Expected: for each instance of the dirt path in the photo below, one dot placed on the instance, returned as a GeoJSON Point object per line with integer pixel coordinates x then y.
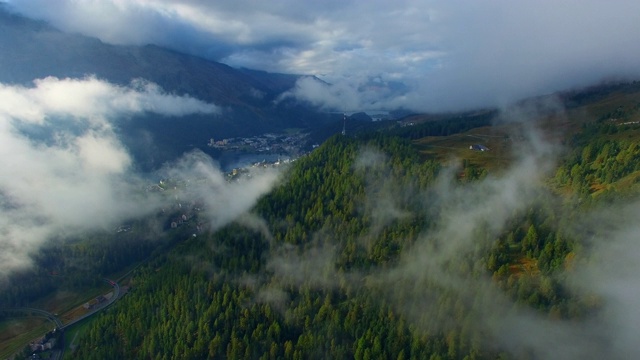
{"type": "Point", "coordinates": [72, 344]}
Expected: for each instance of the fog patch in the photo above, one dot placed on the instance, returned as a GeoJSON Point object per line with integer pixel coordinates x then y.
{"type": "Point", "coordinates": [224, 201]}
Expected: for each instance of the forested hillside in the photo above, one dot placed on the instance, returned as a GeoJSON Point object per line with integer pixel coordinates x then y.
{"type": "Point", "coordinates": [372, 247]}
{"type": "Point", "coordinates": [369, 251]}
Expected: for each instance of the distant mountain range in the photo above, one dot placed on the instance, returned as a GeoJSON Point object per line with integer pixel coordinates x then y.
{"type": "Point", "coordinates": [31, 49]}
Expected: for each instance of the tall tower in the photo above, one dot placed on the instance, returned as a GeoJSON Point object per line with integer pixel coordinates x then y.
{"type": "Point", "coordinates": [344, 124]}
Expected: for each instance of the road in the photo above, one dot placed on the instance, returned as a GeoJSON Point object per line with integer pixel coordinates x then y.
{"type": "Point", "coordinates": [59, 326]}
{"type": "Point", "coordinates": [116, 296]}
{"type": "Point", "coordinates": [46, 314]}
{"type": "Point", "coordinates": [55, 354]}
{"type": "Point", "coordinates": [53, 318]}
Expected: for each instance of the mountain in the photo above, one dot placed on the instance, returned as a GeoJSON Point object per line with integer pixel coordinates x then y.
{"type": "Point", "coordinates": [32, 49]}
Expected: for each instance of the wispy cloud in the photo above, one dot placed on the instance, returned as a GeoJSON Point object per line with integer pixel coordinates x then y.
{"type": "Point", "coordinates": [223, 201]}
{"type": "Point", "coordinates": [66, 171]}
{"type": "Point", "coordinates": [448, 54]}
{"type": "Point", "coordinates": [440, 282]}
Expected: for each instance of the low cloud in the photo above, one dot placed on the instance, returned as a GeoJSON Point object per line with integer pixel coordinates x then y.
{"type": "Point", "coordinates": [350, 94]}
{"type": "Point", "coordinates": [611, 273]}
{"type": "Point", "coordinates": [467, 219]}
{"type": "Point", "coordinates": [64, 169]}
{"type": "Point", "coordinates": [91, 100]}
{"type": "Point", "coordinates": [223, 201]}
{"type": "Point", "coordinates": [313, 266]}
{"type": "Point", "coordinates": [386, 201]}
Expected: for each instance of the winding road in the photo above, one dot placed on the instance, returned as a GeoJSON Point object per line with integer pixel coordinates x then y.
{"type": "Point", "coordinates": [51, 317]}
{"type": "Point", "coordinates": [59, 326]}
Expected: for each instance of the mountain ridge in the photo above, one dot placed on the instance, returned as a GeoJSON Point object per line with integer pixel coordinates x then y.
{"type": "Point", "coordinates": [31, 49]}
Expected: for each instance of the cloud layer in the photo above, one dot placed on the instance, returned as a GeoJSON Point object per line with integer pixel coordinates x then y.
{"type": "Point", "coordinates": [65, 170]}
{"type": "Point", "coordinates": [446, 54]}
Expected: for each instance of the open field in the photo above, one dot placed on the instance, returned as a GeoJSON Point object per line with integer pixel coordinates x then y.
{"type": "Point", "coordinates": [63, 301]}
{"type": "Point", "coordinates": [445, 148]}
{"type": "Point", "coordinates": [503, 139]}
{"type": "Point", "coordinates": [627, 101]}
{"type": "Point", "coordinates": [15, 333]}
{"type": "Point", "coordinates": [65, 304]}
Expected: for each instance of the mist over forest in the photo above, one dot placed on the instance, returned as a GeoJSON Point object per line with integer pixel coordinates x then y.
{"type": "Point", "coordinates": [436, 187]}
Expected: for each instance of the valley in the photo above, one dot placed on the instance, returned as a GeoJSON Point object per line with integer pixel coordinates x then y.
{"type": "Point", "coordinates": [346, 180]}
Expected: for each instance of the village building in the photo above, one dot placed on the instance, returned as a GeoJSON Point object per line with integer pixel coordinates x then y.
{"type": "Point", "coordinates": [478, 147]}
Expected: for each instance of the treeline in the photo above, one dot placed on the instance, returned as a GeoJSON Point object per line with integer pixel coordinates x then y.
{"type": "Point", "coordinates": [447, 126]}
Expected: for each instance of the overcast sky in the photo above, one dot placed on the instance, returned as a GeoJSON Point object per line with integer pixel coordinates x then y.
{"type": "Point", "coordinates": [445, 53]}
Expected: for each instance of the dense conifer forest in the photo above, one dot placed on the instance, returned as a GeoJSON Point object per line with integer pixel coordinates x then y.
{"type": "Point", "coordinates": [353, 256]}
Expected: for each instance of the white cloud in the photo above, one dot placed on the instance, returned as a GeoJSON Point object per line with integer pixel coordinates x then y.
{"type": "Point", "coordinates": [92, 99]}
{"type": "Point", "coordinates": [224, 201]}
{"type": "Point", "coordinates": [77, 176]}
